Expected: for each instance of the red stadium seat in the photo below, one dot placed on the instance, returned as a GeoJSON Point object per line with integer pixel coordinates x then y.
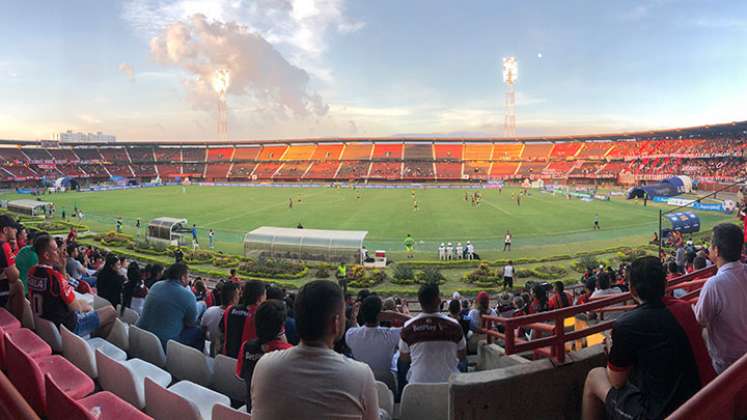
{"type": "Point", "coordinates": [99, 406]}
{"type": "Point", "coordinates": [27, 341]}
{"type": "Point", "coordinates": [28, 376]}
{"type": "Point", "coordinates": [8, 321]}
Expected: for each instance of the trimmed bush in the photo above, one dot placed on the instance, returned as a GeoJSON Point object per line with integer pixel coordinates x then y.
{"type": "Point", "coordinates": [321, 273]}
{"type": "Point", "coordinates": [430, 275]}
{"type": "Point", "coordinates": [549, 272]}
{"type": "Point", "coordinates": [403, 274]}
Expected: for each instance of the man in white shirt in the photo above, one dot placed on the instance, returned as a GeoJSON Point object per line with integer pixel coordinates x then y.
{"type": "Point", "coordinates": [459, 251]}
{"type": "Point", "coordinates": [721, 306]}
{"type": "Point", "coordinates": [312, 381]}
{"type": "Point", "coordinates": [372, 344]}
{"type": "Point", "coordinates": [210, 322]}
{"type": "Point", "coordinates": [508, 275]}
{"type": "Point", "coordinates": [603, 286]}
{"type": "Point", "coordinates": [442, 252]}
{"type": "Point", "coordinates": [449, 251]}
{"type": "Point", "coordinates": [470, 250]}
{"type": "Point", "coordinates": [431, 341]}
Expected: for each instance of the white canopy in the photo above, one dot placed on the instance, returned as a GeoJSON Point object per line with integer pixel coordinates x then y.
{"type": "Point", "coordinates": [304, 243]}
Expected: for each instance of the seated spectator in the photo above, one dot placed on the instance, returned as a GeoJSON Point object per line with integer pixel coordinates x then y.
{"type": "Point", "coordinates": [170, 310]}
{"type": "Point", "coordinates": [560, 298]}
{"type": "Point", "coordinates": [589, 286]}
{"type": "Point", "coordinates": [672, 270]}
{"type": "Point", "coordinates": [603, 287]}
{"type": "Point", "coordinates": [505, 305]}
{"type": "Point", "coordinates": [153, 273]}
{"type": "Point", "coordinates": [482, 307]}
{"type": "Point", "coordinates": [539, 301]}
{"type": "Point", "coordinates": [371, 343]}
{"type": "Point", "coordinates": [311, 381]}
{"type": "Point", "coordinates": [291, 333]}
{"type": "Point", "coordinates": [432, 342]}
{"type": "Point", "coordinates": [200, 290]}
{"type": "Point", "coordinates": [109, 282]}
{"type": "Point", "coordinates": [270, 318]}
{"type": "Point", "coordinates": [73, 267]}
{"type": "Point", "coordinates": [54, 298]}
{"type": "Point", "coordinates": [721, 306]}
{"type": "Point", "coordinates": [210, 321]}
{"type": "Point", "coordinates": [658, 359]}
{"type": "Point", "coordinates": [134, 290]}
{"type": "Point", "coordinates": [236, 317]}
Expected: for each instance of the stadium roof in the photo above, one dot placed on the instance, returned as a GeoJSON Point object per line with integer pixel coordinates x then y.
{"type": "Point", "coordinates": [736, 128]}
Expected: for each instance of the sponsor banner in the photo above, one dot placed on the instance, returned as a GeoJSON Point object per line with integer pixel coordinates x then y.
{"type": "Point", "coordinates": [676, 202]}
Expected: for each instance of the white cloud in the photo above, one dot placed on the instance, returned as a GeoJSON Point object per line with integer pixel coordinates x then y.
{"type": "Point", "coordinates": [298, 28]}
{"type": "Point", "coordinates": [128, 71]}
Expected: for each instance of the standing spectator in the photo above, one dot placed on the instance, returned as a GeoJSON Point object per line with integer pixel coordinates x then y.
{"type": "Point", "coordinates": [508, 275]}
{"type": "Point", "coordinates": [432, 342]}
{"type": "Point", "coordinates": [680, 258]}
{"type": "Point", "coordinates": [195, 243]}
{"type": "Point", "coordinates": [236, 317]}
{"type": "Point", "coordinates": [721, 306]}
{"type": "Point", "coordinates": [291, 332]}
{"type": "Point", "coordinates": [109, 282]}
{"type": "Point", "coordinates": [54, 299]}
{"type": "Point", "coordinates": [211, 239]}
{"type": "Point", "coordinates": [560, 298]}
{"type": "Point", "coordinates": [210, 321]}
{"type": "Point", "coordinates": [170, 310]}
{"type": "Point", "coordinates": [482, 307]}
{"type": "Point", "coordinates": [178, 255]}
{"type": "Point", "coordinates": [25, 259]}
{"type": "Point", "coordinates": [470, 251]}
{"type": "Point", "coordinates": [371, 343]}
{"type": "Point", "coordinates": [442, 252]}
{"type": "Point", "coordinates": [331, 386]}
{"type": "Point", "coordinates": [11, 288]}
{"type": "Point", "coordinates": [271, 316]}
{"type": "Point", "coordinates": [507, 240]}
{"type": "Point", "coordinates": [658, 359]}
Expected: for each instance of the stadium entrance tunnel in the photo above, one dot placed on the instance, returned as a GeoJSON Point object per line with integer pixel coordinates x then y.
{"type": "Point", "coordinates": [668, 188]}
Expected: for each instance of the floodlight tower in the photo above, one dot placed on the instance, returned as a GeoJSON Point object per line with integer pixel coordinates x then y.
{"type": "Point", "coordinates": [510, 74]}
{"type": "Point", "coordinates": [221, 81]}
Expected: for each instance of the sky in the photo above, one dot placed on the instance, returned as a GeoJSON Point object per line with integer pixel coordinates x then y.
{"type": "Point", "coordinates": [143, 69]}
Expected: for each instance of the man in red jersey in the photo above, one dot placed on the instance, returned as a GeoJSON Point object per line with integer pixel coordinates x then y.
{"type": "Point", "coordinates": [11, 288]}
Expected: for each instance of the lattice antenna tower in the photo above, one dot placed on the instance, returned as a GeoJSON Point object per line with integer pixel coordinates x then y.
{"type": "Point", "coordinates": [221, 81]}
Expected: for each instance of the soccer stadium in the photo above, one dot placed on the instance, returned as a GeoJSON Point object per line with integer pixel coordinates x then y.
{"type": "Point", "coordinates": [288, 226]}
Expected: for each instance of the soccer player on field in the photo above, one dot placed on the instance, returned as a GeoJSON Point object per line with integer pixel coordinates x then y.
{"type": "Point", "coordinates": [290, 203]}
{"type": "Point", "coordinates": [596, 222]}
{"type": "Point", "coordinates": [409, 245]}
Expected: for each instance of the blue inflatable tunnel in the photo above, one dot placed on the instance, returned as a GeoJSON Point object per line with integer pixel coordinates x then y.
{"type": "Point", "coordinates": [668, 188]}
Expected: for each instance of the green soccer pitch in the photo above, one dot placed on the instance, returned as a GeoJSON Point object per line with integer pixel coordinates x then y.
{"type": "Point", "coordinates": [543, 225]}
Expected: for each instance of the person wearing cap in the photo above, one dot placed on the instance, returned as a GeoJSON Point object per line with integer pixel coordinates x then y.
{"type": "Point", "coordinates": [459, 251]}
{"type": "Point", "coordinates": [482, 307]}
{"type": "Point", "coordinates": [442, 251]}
{"type": "Point", "coordinates": [470, 250]}
{"type": "Point", "coordinates": [449, 251]}
{"type": "Point", "coordinates": [11, 288]}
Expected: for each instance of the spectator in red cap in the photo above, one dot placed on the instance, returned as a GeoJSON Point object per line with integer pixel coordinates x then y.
{"type": "Point", "coordinates": [482, 307]}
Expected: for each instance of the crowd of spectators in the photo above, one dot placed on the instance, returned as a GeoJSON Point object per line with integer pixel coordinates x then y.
{"type": "Point", "coordinates": [342, 343]}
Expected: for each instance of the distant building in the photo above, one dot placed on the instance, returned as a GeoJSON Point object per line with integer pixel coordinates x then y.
{"type": "Point", "coordinates": [70, 137]}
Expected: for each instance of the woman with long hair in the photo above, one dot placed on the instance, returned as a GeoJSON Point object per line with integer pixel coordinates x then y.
{"type": "Point", "coordinates": [539, 299]}
{"type": "Point", "coordinates": [560, 298]}
{"type": "Point", "coordinates": [109, 282]}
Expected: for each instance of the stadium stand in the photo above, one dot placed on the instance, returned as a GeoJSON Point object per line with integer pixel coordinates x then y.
{"type": "Point", "coordinates": [271, 153]}
{"type": "Point", "coordinates": [418, 171]}
{"type": "Point", "coordinates": [384, 151]}
{"type": "Point", "coordinates": [93, 170]}
{"type": "Point", "coordinates": [386, 170]}
{"type": "Point", "coordinates": [193, 170]}
{"type": "Point", "coordinates": [143, 170]}
{"type": "Point", "coordinates": [141, 154]}
{"type": "Point", "coordinates": [37, 155]}
{"type": "Point", "coordinates": [115, 155]}
{"type": "Point", "coordinates": [536, 151]}
{"type": "Point", "coordinates": [357, 151]}
{"type": "Point", "coordinates": [414, 151]}
{"type": "Point", "coordinates": [63, 155]}
{"type": "Point", "coordinates": [167, 154]}
{"type": "Point", "coordinates": [504, 169]}
{"type": "Point", "coordinates": [481, 152]}
{"type": "Point", "coordinates": [325, 170]}
{"type": "Point", "coordinates": [120, 170]}
{"type": "Point", "coordinates": [451, 152]}
{"type": "Point", "coordinates": [531, 169]}
{"type": "Point", "coordinates": [220, 154]}
{"type": "Point", "coordinates": [241, 170]}
{"type": "Point", "coordinates": [193, 154]}
{"type": "Point", "coordinates": [353, 170]}
{"type": "Point", "coordinates": [559, 169]}
{"type": "Point", "coordinates": [169, 171]}
{"type": "Point", "coordinates": [13, 155]}
{"type": "Point", "coordinates": [507, 151]}
{"type": "Point", "coordinates": [292, 170]}
{"type": "Point", "coordinates": [594, 150]}
{"type": "Point", "coordinates": [46, 171]}
{"type": "Point", "coordinates": [265, 170]}
{"type": "Point", "coordinates": [90, 154]}
{"type": "Point", "coordinates": [217, 171]}
{"type": "Point", "coordinates": [448, 171]}
{"type": "Point", "coordinates": [477, 169]}
{"type": "Point", "coordinates": [565, 150]}
{"type": "Point", "coordinates": [299, 152]}
{"type": "Point", "coordinates": [246, 153]}
{"type": "Point", "coordinates": [327, 152]}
